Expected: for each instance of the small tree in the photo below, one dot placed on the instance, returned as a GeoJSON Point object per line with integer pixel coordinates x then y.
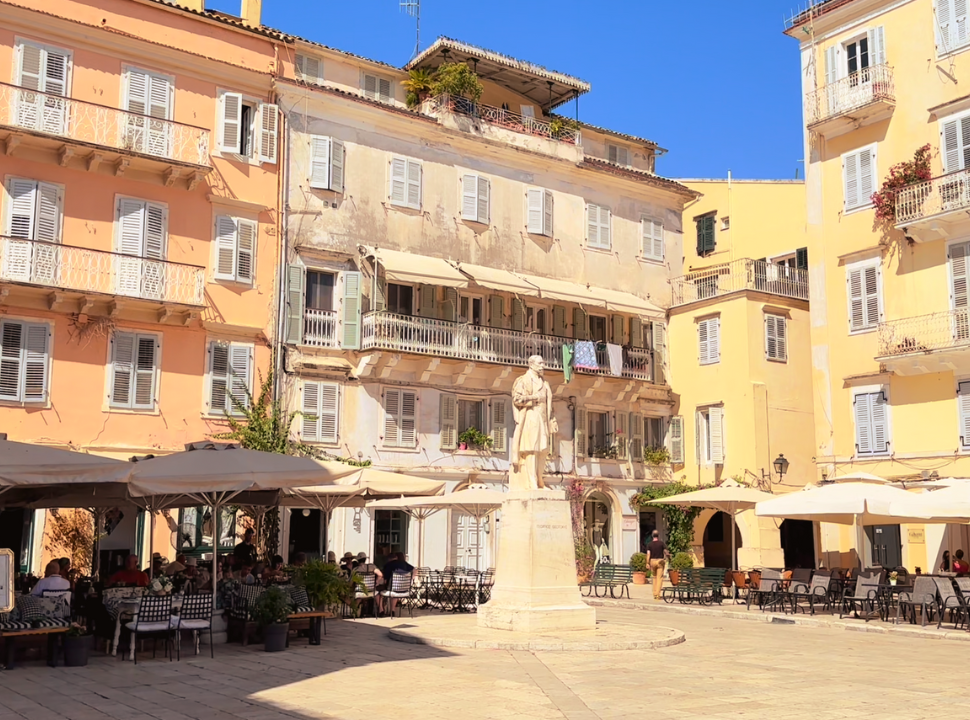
{"type": "Point", "coordinates": [71, 535]}
{"type": "Point", "coordinates": [679, 520]}
{"type": "Point", "coordinates": [456, 79]}
{"type": "Point", "coordinates": [901, 175]}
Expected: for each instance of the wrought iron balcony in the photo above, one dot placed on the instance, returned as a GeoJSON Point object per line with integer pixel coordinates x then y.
{"type": "Point", "coordinates": [320, 329]}
{"type": "Point", "coordinates": [86, 271]}
{"type": "Point", "coordinates": [507, 119]}
{"type": "Point", "coordinates": [738, 275]}
{"type": "Point", "coordinates": [862, 98]}
{"type": "Point", "coordinates": [98, 134]}
{"type": "Point", "coordinates": [462, 341]}
{"type": "Point", "coordinates": [935, 208]}
{"type": "Point", "coordinates": [926, 343]}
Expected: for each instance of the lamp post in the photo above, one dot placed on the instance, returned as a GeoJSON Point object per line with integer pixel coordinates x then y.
{"type": "Point", "coordinates": [780, 465]}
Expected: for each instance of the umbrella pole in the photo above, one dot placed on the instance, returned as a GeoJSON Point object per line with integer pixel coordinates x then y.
{"type": "Point", "coordinates": [216, 509]}
{"type": "Point", "coordinates": [734, 530]}
{"type": "Point", "coordinates": [151, 543]}
{"type": "Point", "coordinates": [860, 543]}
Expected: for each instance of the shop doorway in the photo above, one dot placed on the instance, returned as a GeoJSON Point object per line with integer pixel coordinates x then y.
{"type": "Point", "coordinates": [887, 545]}
{"type": "Point", "coordinates": [798, 543]}
{"type": "Point", "coordinates": [308, 533]}
{"type": "Point", "coordinates": [717, 542]}
{"type": "Point", "coordinates": [14, 527]}
{"type": "Point", "coordinates": [469, 541]}
{"type": "Point", "coordinates": [390, 535]}
{"type": "Point", "coordinates": [649, 521]}
{"type": "Point", "coordinates": [596, 523]}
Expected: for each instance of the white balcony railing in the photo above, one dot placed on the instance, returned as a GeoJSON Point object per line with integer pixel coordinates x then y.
{"type": "Point", "coordinates": [66, 267]}
{"type": "Point", "coordinates": [553, 130]}
{"type": "Point", "coordinates": [925, 333]}
{"type": "Point", "coordinates": [442, 338]}
{"type": "Point", "coordinates": [320, 328]}
{"type": "Point", "coordinates": [943, 194]}
{"type": "Point", "coordinates": [104, 126]}
{"type": "Point", "coordinates": [740, 275]}
{"type": "Point", "coordinates": [869, 85]}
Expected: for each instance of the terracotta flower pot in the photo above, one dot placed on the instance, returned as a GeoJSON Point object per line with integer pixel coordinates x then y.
{"type": "Point", "coordinates": [674, 576]}
{"type": "Point", "coordinates": [639, 578]}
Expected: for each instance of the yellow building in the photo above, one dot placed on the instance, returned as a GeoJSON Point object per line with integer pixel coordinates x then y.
{"type": "Point", "coordinates": [740, 361]}
{"type": "Point", "coordinates": [889, 296]}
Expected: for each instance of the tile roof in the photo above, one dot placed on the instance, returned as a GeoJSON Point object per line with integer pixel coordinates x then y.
{"type": "Point", "coordinates": [615, 133]}
{"type": "Point", "coordinates": [641, 175]}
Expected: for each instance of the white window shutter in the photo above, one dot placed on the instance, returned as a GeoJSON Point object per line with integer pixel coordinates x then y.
{"type": "Point", "coordinates": [156, 231]}
{"type": "Point", "coordinates": [370, 87]}
{"type": "Point", "coordinates": [605, 217]}
{"type": "Point", "coordinates": [715, 341]}
{"type": "Point", "coordinates": [547, 212]}
{"type": "Point", "coordinates": [877, 45]}
{"type": "Point", "coordinates": [136, 92]}
{"type": "Point", "coordinates": [863, 424]}
{"type": "Point", "coordinates": [620, 436]}
{"type": "Point", "coordinates": [398, 192]}
{"type": "Point", "coordinates": [716, 419]}
{"type": "Point", "coordinates": [831, 66]}
{"type": "Point", "coordinates": [484, 195]}
{"type": "Point", "coordinates": [579, 434]}
{"type": "Point", "coordinates": [22, 209]}
{"type": "Point", "coordinates": [218, 377]}
{"type": "Point", "coordinates": [592, 225]}
{"type": "Point", "coordinates": [950, 141]}
{"type": "Point", "coordinates": [658, 337]}
{"type": "Point", "coordinates": [409, 418]}
{"type": "Point", "coordinates": [880, 422]}
{"type": "Point", "coordinates": [122, 369]}
{"type": "Point", "coordinates": [703, 342]}
{"type": "Point", "coordinates": [850, 172]}
{"type": "Point", "coordinates": [269, 131]}
{"type": "Point", "coordinates": [350, 311]}
{"type": "Point", "coordinates": [11, 360]}
{"type": "Point", "coordinates": [310, 419]}
{"type": "Point", "coordinates": [131, 242]}
{"type": "Point", "coordinates": [857, 311]}
{"type": "Point", "coordinates": [36, 362]}
{"type": "Point", "coordinates": [867, 171]}
{"type": "Point", "coordinates": [675, 435]}
{"type": "Point", "coordinates": [500, 432]}
{"type": "Point", "coordinates": [958, 35]}
{"type": "Point", "coordinates": [309, 68]}
{"type": "Point", "coordinates": [469, 197]}
{"type": "Point", "coordinates": [246, 250]}
{"type": "Point", "coordinates": [32, 67]}
{"type": "Point", "coordinates": [392, 418]}
{"type": "Point", "coordinates": [448, 412]}
{"type": "Point", "coordinates": [48, 221]}
{"type": "Point", "coordinates": [771, 337]}
{"type": "Point", "coordinates": [230, 123]}
{"type": "Point", "coordinates": [959, 277]}
{"type": "Point", "coordinates": [226, 239]}
{"type": "Point", "coordinates": [145, 370]}
{"type": "Point", "coordinates": [414, 184]}
{"type": "Point", "coordinates": [944, 24]}
{"type": "Point", "coordinates": [963, 400]}
{"type": "Point", "coordinates": [320, 162]}
{"type": "Point", "coordinates": [534, 211]}
{"type": "Point", "coordinates": [337, 166]}
{"type": "Point", "coordinates": [871, 288]}
{"type": "Point", "coordinates": [329, 412]}
{"type": "Point", "coordinates": [384, 89]}
{"type": "Point", "coordinates": [240, 370]}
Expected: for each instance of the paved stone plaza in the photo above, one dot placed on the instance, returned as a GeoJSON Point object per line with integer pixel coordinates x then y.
{"type": "Point", "coordinates": [727, 669]}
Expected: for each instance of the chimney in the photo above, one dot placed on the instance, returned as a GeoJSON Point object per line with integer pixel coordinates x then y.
{"type": "Point", "coordinates": [251, 12]}
{"type": "Point", "coordinates": [197, 5]}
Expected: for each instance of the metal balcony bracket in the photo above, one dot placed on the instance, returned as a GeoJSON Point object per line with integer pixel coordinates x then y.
{"type": "Point", "coordinates": [389, 366]}
{"type": "Point", "coordinates": [55, 300]}
{"type": "Point", "coordinates": [366, 365]}
{"type": "Point", "coordinates": [195, 179]}
{"type": "Point", "coordinates": [429, 370]}
{"type": "Point", "coordinates": [115, 307]}
{"type": "Point", "coordinates": [121, 166]}
{"type": "Point", "coordinates": [171, 176]}
{"type": "Point", "coordinates": [94, 160]}
{"type": "Point", "coordinates": [165, 313]}
{"type": "Point", "coordinates": [64, 155]}
{"type": "Point", "coordinates": [13, 140]}
{"type": "Point", "coordinates": [597, 383]}
{"type": "Point", "coordinates": [620, 395]}
{"type": "Point", "coordinates": [461, 377]}
{"type": "Point", "coordinates": [500, 378]}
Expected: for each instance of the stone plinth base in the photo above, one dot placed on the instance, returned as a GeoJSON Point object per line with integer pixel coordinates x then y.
{"type": "Point", "coordinates": [535, 584]}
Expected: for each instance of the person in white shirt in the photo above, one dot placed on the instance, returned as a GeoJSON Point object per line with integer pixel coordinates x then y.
{"type": "Point", "coordinates": [53, 580]}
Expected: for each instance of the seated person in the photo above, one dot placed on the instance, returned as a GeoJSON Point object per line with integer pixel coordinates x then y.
{"type": "Point", "coordinates": [274, 571]}
{"type": "Point", "coordinates": [365, 567]}
{"type": "Point", "coordinates": [53, 580]}
{"type": "Point", "coordinates": [131, 575]}
{"type": "Point", "coordinates": [960, 566]}
{"type": "Point", "coordinates": [299, 560]}
{"type": "Point", "coordinates": [348, 562]}
{"type": "Point", "coordinates": [395, 565]}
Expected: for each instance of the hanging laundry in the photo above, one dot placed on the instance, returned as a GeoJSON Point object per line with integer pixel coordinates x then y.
{"type": "Point", "coordinates": [615, 354]}
{"type": "Point", "coordinates": [584, 355]}
{"type": "Point", "coordinates": [567, 361]}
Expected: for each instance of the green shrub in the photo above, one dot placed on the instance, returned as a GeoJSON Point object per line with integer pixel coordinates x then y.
{"type": "Point", "coordinates": [682, 561]}
{"type": "Point", "coordinates": [638, 561]}
{"type": "Point", "coordinates": [323, 582]}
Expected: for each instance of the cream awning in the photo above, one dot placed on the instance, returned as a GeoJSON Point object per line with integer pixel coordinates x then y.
{"type": "Point", "coordinates": [563, 290]}
{"type": "Point", "coordinates": [627, 303]}
{"type": "Point", "coordinates": [407, 268]}
{"type": "Point", "coordinates": [495, 279]}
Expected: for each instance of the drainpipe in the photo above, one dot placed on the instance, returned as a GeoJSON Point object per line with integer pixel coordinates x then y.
{"type": "Point", "coordinates": [283, 176]}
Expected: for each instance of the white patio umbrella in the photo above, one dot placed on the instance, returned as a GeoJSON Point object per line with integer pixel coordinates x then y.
{"type": "Point", "coordinates": [858, 477]}
{"type": "Point", "coordinates": [729, 497]}
{"type": "Point", "coordinates": [35, 471]}
{"type": "Point", "coordinates": [949, 505]}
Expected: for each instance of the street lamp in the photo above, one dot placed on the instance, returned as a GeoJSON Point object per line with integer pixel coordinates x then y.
{"type": "Point", "coordinates": [781, 465]}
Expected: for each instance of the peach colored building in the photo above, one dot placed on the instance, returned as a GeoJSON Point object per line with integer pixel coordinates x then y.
{"type": "Point", "coordinates": [139, 211]}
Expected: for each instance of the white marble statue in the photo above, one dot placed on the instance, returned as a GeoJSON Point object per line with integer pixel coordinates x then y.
{"type": "Point", "coordinates": [534, 427]}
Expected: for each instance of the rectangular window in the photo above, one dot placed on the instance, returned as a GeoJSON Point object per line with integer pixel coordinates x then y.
{"type": "Point", "coordinates": [652, 239]}
{"type": "Point", "coordinates": [471, 310]}
{"type": "Point", "coordinates": [710, 436]}
{"type": "Point", "coordinates": [141, 239]}
{"type": "Point", "coordinates": [858, 176]}
{"type": "Point", "coordinates": [776, 337]}
{"type": "Point", "coordinates": [326, 163]}
{"type": "Point", "coordinates": [319, 290]}
{"type": "Point", "coordinates": [864, 290]}
{"type": "Point", "coordinates": [598, 226]}
{"type": "Point", "coordinates": [471, 414]}
{"type": "Point", "coordinates": [597, 328]}
{"type": "Point", "coordinates": [248, 128]}
{"type": "Point", "coordinates": [376, 88]}
{"type": "Point", "coordinates": [230, 377]}
{"type": "Point", "coordinates": [539, 211]}
{"type": "Point", "coordinates": [618, 154]}
{"type": "Point", "coordinates": [675, 440]}
{"type": "Point", "coordinates": [951, 25]}
{"type": "Point", "coordinates": [706, 240]}
{"type": "Point", "coordinates": [955, 143]}
{"type": "Point", "coordinates": [44, 69]}
{"type": "Point", "coordinates": [235, 249]}
{"type": "Point", "coordinates": [309, 68]}
{"type": "Point", "coordinates": [34, 213]}
{"type": "Point", "coordinates": [148, 99]}
{"type": "Point", "coordinates": [600, 434]}
{"type": "Point", "coordinates": [400, 418]}
{"type": "Point", "coordinates": [321, 412]}
{"type": "Point", "coordinates": [400, 299]}
{"type": "Point", "coordinates": [709, 341]}
{"type": "Point", "coordinates": [654, 431]}
{"type": "Point", "coordinates": [134, 371]}
{"type": "Point", "coordinates": [963, 404]}
{"type": "Point", "coordinates": [475, 194]}
{"type": "Point", "coordinates": [24, 361]}
{"type": "Point", "coordinates": [871, 410]}
{"type": "Point", "coordinates": [405, 189]}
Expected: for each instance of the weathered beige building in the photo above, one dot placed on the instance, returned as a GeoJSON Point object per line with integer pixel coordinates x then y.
{"type": "Point", "coordinates": [430, 251]}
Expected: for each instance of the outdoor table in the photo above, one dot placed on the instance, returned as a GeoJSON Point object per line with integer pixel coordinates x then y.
{"type": "Point", "coordinates": [889, 597]}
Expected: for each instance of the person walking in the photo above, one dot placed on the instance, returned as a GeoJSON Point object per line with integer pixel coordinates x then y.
{"type": "Point", "coordinates": [657, 553]}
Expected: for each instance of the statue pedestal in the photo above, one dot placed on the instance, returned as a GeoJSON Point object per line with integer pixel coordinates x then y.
{"type": "Point", "coordinates": [535, 587]}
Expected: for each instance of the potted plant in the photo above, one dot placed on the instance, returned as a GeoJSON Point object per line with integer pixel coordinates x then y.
{"type": "Point", "coordinates": [77, 645]}
{"type": "Point", "coordinates": [893, 577]}
{"type": "Point", "coordinates": [272, 614]}
{"type": "Point", "coordinates": [458, 80]}
{"type": "Point", "coordinates": [638, 561]}
{"type": "Point", "coordinates": [680, 561]}
{"type": "Point", "coordinates": [475, 439]}
{"type": "Point", "coordinates": [418, 86]}
{"type": "Point", "coordinates": [160, 585]}
{"type": "Point", "coordinates": [656, 455]}
{"type": "Point", "coordinates": [324, 584]}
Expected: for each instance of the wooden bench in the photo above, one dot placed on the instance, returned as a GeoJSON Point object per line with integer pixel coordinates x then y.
{"type": "Point", "coordinates": [313, 620]}
{"type": "Point", "coordinates": [10, 643]}
{"type": "Point", "coordinates": [609, 577]}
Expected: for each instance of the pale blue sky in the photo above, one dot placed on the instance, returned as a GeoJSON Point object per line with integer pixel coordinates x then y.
{"type": "Point", "coordinates": [714, 82]}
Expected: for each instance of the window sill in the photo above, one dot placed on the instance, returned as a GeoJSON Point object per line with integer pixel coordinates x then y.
{"type": "Point", "coordinates": [855, 210]}
{"type": "Point", "coordinates": [651, 261]}
{"type": "Point", "coordinates": [951, 53]}
{"type": "Point", "coordinates": [873, 456]}
{"type": "Point", "coordinates": [864, 331]}
{"type": "Point", "coordinates": [777, 360]}
{"type": "Point", "coordinates": [705, 364]}
{"type": "Point", "coordinates": [396, 449]}
{"type": "Point", "coordinates": [605, 251]}
{"type": "Point", "coordinates": [132, 411]}
{"type": "Point", "coordinates": [405, 208]}
{"type": "Point", "coordinates": [46, 405]}
{"type": "Point", "coordinates": [242, 284]}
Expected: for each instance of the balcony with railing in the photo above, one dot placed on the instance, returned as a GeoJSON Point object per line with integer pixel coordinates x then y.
{"type": "Point", "coordinates": [97, 137]}
{"type": "Point", "coordinates": [320, 329]}
{"type": "Point", "coordinates": [56, 267]}
{"type": "Point", "coordinates": [739, 275]}
{"type": "Point", "coordinates": [862, 98]}
{"type": "Point", "coordinates": [936, 208]}
{"type": "Point", "coordinates": [931, 343]}
{"type": "Point", "coordinates": [550, 136]}
{"type": "Point", "coordinates": [463, 341]}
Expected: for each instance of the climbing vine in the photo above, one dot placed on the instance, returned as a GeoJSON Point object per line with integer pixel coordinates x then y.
{"type": "Point", "coordinates": [679, 520]}
{"type": "Point", "coordinates": [901, 175]}
{"type": "Point", "coordinates": [585, 556]}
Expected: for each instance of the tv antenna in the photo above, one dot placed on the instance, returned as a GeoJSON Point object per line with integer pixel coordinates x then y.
{"type": "Point", "coordinates": [413, 8]}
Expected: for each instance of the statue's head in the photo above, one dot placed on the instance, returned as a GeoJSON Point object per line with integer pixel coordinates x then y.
{"type": "Point", "coordinates": [537, 364]}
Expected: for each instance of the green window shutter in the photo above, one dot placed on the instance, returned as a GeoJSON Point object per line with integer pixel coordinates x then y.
{"type": "Point", "coordinates": [559, 321]}
{"type": "Point", "coordinates": [426, 301]}
{"type": "Point", "coordinates": [449, 308]}
{"type": "Point", "coordinates": [801, 258]}
{"type": "Point", "coordinates": [496, 311]}
{"type": "Point", "coordinates": [616, 322]}
{"type": "Point", "coordinates": [295, 279]}
{"type": "Point", "coordinates": [378, 289]}
{"type": "Point", "coordinates": [579, 324]}
{"type": "Point", "coordinates": [518, 314]}
{"type": "Point", "coordinates": [709, 233]}
{"type": "Point", "coordinates": [636, 332]}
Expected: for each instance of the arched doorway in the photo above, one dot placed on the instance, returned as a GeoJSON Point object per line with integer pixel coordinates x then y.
{"type": "Point", "coordinates": [597, 515]}
{"type": "Point", "coordinates": [717, 542]}
{"type": "Point", "coordinates": [798, 543]}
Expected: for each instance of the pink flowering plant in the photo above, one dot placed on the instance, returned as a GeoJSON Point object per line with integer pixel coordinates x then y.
{"type": "Point", "coordinates": [901, 175]}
